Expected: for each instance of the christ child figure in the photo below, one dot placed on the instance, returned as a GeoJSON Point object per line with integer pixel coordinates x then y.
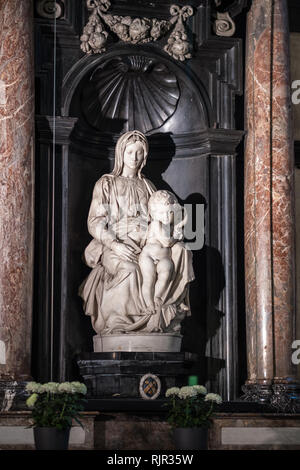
{"type": "Point", "coordinates": [155, 260]}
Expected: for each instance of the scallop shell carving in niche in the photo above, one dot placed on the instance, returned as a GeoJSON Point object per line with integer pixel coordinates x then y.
{"type": "Point", "coordinates": [132, 92]}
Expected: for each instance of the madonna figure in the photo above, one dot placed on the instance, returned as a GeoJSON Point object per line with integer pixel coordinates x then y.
{"type": "Point", "coordinates": [118, 221]}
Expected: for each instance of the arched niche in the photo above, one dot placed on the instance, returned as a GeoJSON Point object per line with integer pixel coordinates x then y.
{"type": "Point", "coordinates": [129, 88]}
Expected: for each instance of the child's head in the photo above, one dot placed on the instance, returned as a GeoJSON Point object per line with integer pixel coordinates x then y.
{"type": "Point", "coordinates": [162, 205]}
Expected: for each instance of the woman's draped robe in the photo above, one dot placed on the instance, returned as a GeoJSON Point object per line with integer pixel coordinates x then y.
{"type": "Point", "coordinates": [112, 293]}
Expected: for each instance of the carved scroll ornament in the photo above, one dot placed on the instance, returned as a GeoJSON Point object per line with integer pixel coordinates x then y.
{"type": "Point", "coordinates": [224, 12]}
{"type": "Point", "coordinates": [136, 30]}
{"type": "Point", "coordinates": [224, 25]}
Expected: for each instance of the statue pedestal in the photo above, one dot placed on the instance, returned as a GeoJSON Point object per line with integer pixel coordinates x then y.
{"type": "Point", "coordinates": [138, 342]}
{"type": "Point", "coordinates": [118, 374]}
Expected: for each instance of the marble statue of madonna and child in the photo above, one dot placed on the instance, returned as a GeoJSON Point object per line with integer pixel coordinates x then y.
{"type": "Point", "coordinates": [137, 293]}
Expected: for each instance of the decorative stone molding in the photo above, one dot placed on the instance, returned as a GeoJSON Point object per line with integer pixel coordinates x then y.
{"type": "Point", "coordinates": [136, 30]}
{"type": "Point", "coordinates": [49, 9]}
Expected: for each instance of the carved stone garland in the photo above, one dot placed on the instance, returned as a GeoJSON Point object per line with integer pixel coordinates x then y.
{"type": "Point", "coordinates": [136, 30]}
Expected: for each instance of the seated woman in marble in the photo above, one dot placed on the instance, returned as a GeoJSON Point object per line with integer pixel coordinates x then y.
{"type": "Point", "coordinates": [118, 222]}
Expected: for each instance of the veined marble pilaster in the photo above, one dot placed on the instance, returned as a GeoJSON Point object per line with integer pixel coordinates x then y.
{"type": "Point", "coordinates": [269, 196]}
{"type": "Point", "coordinates": [16, 187]}
{"type": "Point", "coordinates": [283, 197]}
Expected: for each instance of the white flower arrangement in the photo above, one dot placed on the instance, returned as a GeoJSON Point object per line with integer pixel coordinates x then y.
{"type": "Point", "coordinates": [213, 397]}
{"type": "Point", "coordinates": [50, 387]}
{"type": "Point", "coordinates": [30, 402]}
{"type": "Point", "coordinates": [200, 389]}
{"type": "Point", "coordinates": [172, 391]}
{"type": "Point", "coordinates": [33, 387]}
{"type": "Point", "coordinates": [191, 406]}
{"type": "Point", "coordinates": [187, 392]}
{"type": "Point", "coordinates": [78, 387]}
{"type": "Point", "coordinates": [55, 404]}
{"type": "Point", "coordinates": [65, 387]}
{"type": "Point", "coordinates": [54, 387]}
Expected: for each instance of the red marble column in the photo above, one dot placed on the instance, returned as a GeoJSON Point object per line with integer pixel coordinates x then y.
{"type": "Point", "coordinates": [16, 187]}
{"type": "Point", "coordinates": [269, 196]}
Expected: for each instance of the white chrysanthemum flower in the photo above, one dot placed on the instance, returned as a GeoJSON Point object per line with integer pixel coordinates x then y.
{"type": "Point", "coordinates": [33, 387]}
{"type": "Point", "coordinates": [213, 397]}
{"type": "Point", "coordinates": [187, 392]}
{"type": "Point", "coordinates": [79, 387]}
{"type": "Point", "coordinates": [172, 391]}
{"type": "Point", "coordinates": [30, 402]}
{"type": "Point", "coordinates": [200, 389]}
{"type": "Point", "coordinates": [65, 387]}
{"type": "Point", "coordinates": [51, 387]}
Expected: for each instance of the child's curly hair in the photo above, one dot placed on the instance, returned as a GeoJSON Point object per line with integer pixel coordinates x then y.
{"type": "Point", "coordinates": [162, 197]}
{"type": "Point", "coordinates": [167, 198]}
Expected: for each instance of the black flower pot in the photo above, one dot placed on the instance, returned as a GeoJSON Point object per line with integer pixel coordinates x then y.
{"type": "Point", "coordinates": [190, 438]}
{"type": "Point", "coordinates": [51, 438]}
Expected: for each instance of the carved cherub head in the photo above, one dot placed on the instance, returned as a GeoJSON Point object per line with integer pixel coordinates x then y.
{"type": "Point", "coordinates": [138, 29]}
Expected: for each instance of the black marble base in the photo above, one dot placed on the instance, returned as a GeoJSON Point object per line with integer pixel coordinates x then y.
{"type": "Point", "coordinates": [118, 374]}
{"type": "Point", "coordinates": [145, 407]}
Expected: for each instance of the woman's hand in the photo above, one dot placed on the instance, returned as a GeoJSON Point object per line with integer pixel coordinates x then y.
{"type": "Point", "coordinates": [124, 251]}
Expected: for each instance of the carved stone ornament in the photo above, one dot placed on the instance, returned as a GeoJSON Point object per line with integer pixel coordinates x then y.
{"type": "Point", "coordinates": [136, 30]}
{"type": "Point", "coordinates": [224, 25]}
{"type": "Point", "coordinates": [223, 12]}
{"type": "Point", "coordinates": [178, 45]}
{"type": "Point", "coordinates": [49, 9]}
